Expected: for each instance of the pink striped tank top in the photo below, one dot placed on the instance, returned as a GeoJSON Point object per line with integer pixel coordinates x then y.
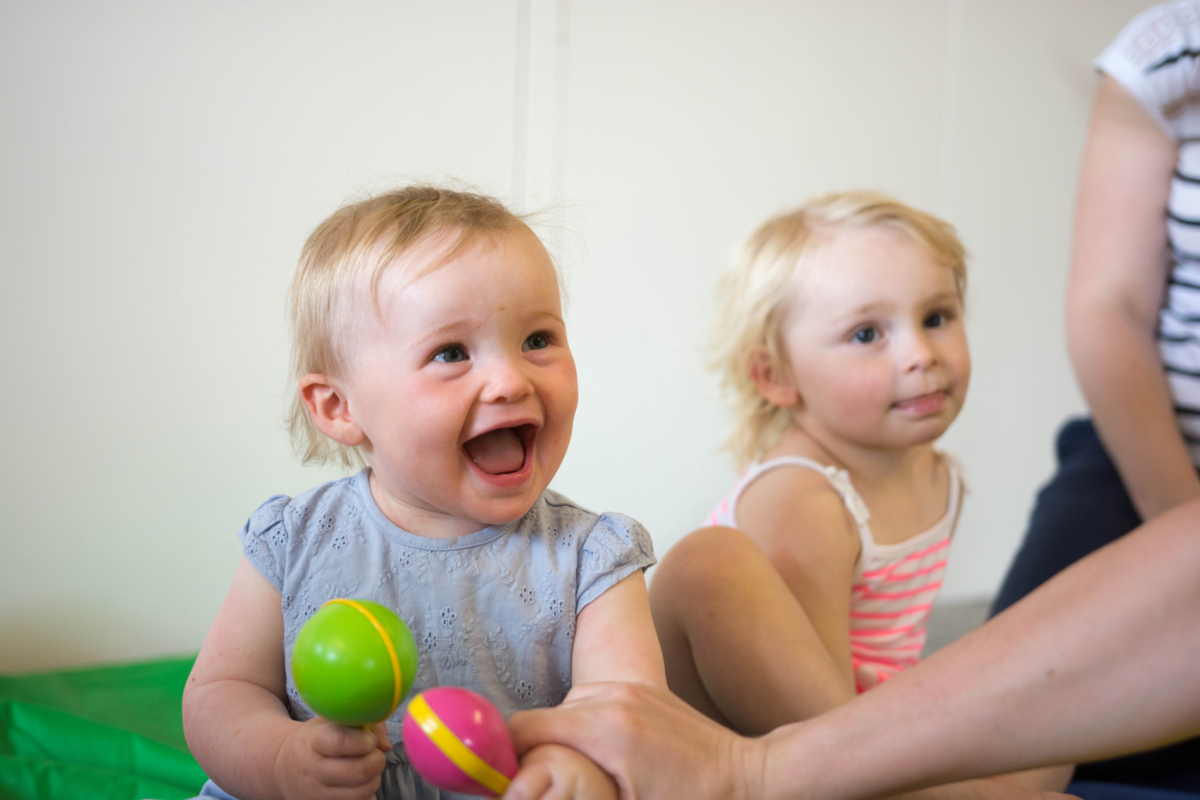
{"type": "Point", "coordinates": [894, 584]}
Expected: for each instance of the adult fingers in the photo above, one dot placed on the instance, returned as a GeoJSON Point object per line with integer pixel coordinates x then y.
{"type": "Point", "coordinates": [599, 718]}
{"type": "Point", "coordinates": [567, 725]}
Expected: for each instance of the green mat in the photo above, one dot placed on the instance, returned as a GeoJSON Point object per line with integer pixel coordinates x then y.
{"type": "Point", "coordinates": [105, 732]}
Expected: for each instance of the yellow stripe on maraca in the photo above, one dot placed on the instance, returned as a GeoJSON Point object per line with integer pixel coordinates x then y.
{"type": "Point", "coordinates": [387, 642]}
{"type": "Point", "coordinates": [463, 757]}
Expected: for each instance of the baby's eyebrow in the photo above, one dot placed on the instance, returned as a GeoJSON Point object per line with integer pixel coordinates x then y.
{"type": "Point", "coordinates": [449, 330]}
{"type": "Point", "coordinates": [446, 330]}
{"type": "Point", "coordinates": [547, 315]}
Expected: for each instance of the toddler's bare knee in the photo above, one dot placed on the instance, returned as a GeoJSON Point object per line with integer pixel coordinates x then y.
{"type": "Point", "coordinates": [710, 556]}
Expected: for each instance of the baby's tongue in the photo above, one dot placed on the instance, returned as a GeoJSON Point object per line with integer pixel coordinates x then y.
{"type": "Point", "coordinates": [497, 452]}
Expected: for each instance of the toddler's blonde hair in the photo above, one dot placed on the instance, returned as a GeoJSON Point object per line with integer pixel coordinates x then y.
{"type": "Point", "coordinates": [363, 240]}
{"type": "Point", "coordinates": [751, 296]}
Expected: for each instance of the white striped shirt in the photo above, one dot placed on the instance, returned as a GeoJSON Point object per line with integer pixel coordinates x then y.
{"type": "Point", "coordinates": [1157, 59]}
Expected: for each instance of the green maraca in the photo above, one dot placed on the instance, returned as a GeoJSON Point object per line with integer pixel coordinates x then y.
{"type": "Point", "coordinates": [354, 661]}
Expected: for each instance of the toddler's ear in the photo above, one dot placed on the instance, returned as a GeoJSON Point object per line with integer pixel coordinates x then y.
{"type": "Point", "coordinates": [775, 384]}
{"type": "Point", "coordinates": [329, 408]}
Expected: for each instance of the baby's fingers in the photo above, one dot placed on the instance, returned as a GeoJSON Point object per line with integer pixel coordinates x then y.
{"type": "Point", "coordinates": [361, 773]}
{"type": "Point", "coordinates": [336, 741]}
{"type": "Point", "coordinates": [531, 783]}
{"type": "Point", "coordinates": [554, 772]}
{"type": "Point", "coordinates": [381, 736]}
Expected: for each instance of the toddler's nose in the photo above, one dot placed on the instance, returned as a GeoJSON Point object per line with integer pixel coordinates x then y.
{"type": "Point", "coordinates": [506, 382]}
{"type": "Point", "coordinates": [919, 354]}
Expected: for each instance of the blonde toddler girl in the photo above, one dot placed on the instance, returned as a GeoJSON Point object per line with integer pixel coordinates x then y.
{"type": "Point", "coordinates": [428, 342]}
{"type": "Point", "coordinates": [840, 333]}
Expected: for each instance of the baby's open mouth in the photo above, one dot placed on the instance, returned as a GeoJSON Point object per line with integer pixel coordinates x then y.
{"type": "Point", "coordinates": [500, 451]}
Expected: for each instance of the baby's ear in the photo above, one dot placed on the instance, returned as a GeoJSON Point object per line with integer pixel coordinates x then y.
{"type": "Point", "coordinates": [327, 404]}
{"type": "Point", "coordinates": [774, 384]}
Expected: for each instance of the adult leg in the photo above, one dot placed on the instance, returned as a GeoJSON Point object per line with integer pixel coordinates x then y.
{"type": "Point", "coordinates": [738, 646]}
{"type": "Point", "coordinates": [1084, 507]}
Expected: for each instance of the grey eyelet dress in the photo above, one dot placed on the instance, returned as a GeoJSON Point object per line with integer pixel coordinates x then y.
{"type": "Point", "coordinates": [493, 612]}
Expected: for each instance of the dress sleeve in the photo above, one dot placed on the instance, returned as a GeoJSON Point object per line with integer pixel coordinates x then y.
{"type": "Point", "coordinates": [612, 551]}
{"type": "Point", "coordinates": [1156, 57]}
{"type": "Point", "coordinates": [264, 539]}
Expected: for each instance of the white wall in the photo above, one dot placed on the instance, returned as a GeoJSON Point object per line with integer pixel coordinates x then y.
{"type": "Point", "coordinates": [160, 165]}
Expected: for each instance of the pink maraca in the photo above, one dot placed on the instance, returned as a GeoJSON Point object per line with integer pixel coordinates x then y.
{"type": "Point", "coordinates": [458, 741]}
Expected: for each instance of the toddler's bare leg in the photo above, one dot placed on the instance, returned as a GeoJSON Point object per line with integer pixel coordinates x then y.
{"type": "Point", "coordinates": [737, 644]}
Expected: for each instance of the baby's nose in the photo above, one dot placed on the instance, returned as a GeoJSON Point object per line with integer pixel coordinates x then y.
{"type": "Point", "coordinates": [506, 382]}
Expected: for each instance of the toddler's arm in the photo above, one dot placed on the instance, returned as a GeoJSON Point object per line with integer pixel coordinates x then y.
{"type": "Point", "coordinates": [236, 721]}
{"type": "Point", "coordinates": [615, 638]}
{"type": "Point", "coordinates": [614, 641]}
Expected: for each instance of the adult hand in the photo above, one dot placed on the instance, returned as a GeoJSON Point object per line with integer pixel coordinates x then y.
{"type": "Point", "coordinates": [653, 744]}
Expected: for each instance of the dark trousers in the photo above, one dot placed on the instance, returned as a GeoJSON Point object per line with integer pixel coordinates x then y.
{"type": "Point", "coordinates": [1082, 508]}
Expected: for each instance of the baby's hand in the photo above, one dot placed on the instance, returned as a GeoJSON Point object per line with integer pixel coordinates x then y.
{"type": "Point", "coordinates": [554, 772]}
{"type": "Point", "coordinates": [321, 759]}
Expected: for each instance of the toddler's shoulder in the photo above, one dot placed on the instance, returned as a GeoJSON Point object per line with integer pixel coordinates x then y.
{"type": "Point", "coordinates": [566, 518]}
{"type": "Point", "coordinates": [794, 506]}
{"type": "Point", "coordinates": [794, 487]}
{"type": "Point", "coordinates": [278, 527]}
{"type": "Point", "coordinates": [608, 546]}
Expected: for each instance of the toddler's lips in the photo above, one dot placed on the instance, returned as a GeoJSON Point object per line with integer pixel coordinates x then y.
{"type": "Point", "coordinates": [924, 404]}
{"type": "Point", "coordinates": [501, 451]}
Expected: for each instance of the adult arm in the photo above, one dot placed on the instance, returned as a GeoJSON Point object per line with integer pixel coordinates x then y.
{"type": "Point", "coordinates": [1097, 662]}
{"type": "Point", "coordinates": [1118, 275]}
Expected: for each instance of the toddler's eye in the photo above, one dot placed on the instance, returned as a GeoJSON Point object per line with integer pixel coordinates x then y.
{"type": "Point", "coordinates": [538, 341]}
{"type": "Point", "coordinates": [865, 336]}
{"type": "Point", "coordinates": [935, 320]}
{"type": "Point", "coordinates": [451, 354]}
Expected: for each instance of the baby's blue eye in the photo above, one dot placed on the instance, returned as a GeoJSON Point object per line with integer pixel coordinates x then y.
{"type": "Point", "coordinates": [451, 354]}
{"type": "Point", "coordinates": [935, 320]}
{"type": "Point", "coordinates": [866, 335]}
{"type": "Point", "coordinates": [538, 341]}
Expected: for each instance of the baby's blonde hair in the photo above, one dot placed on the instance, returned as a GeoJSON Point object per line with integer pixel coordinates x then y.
{"type": "Point", "coordinates": [363, 240]}
{"type": "Point", "coordinates": [751, 296]}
